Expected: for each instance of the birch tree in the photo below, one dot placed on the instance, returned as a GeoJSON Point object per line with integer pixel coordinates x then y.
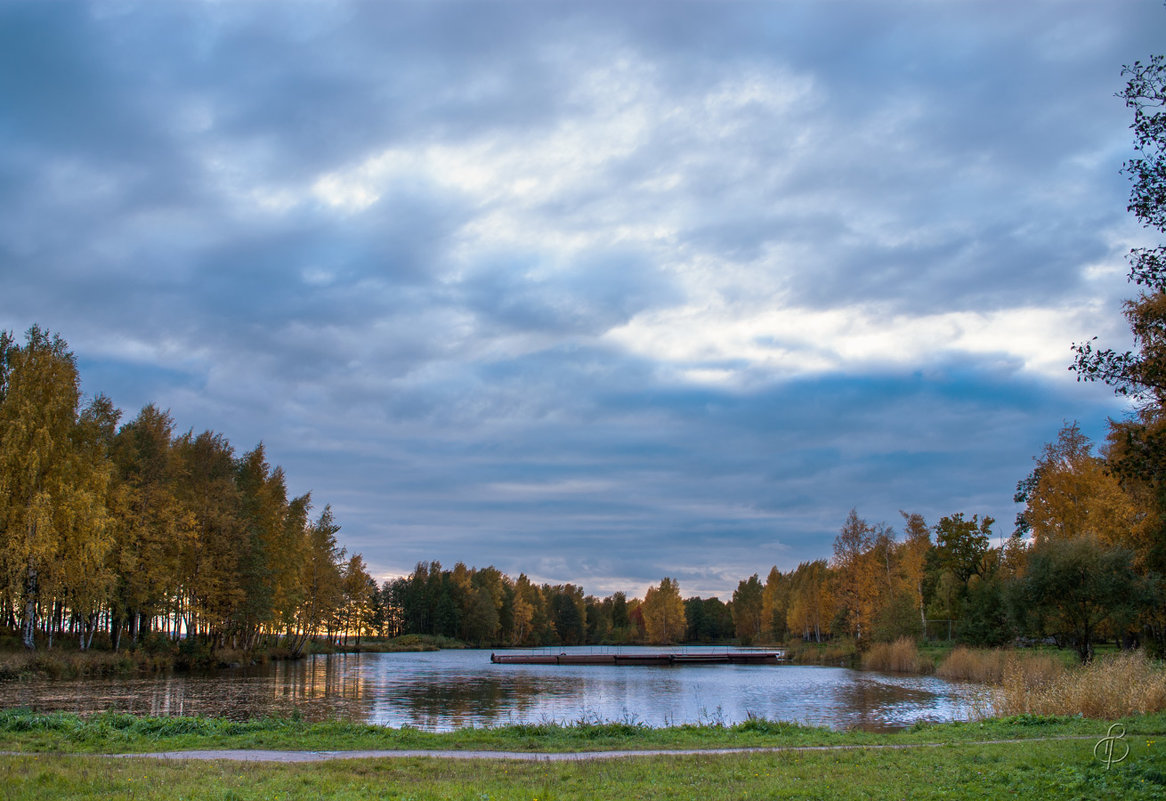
{"type": "Point", "coordinates": [664, 616]}
{"type": "Point", "coordinates": [51, 499]}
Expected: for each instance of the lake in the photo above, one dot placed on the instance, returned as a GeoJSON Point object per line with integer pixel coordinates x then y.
{"type": "Point", "coordinates": [443, 690]}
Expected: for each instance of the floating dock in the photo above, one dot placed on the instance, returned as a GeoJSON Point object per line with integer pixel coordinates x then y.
{"type": "Point", "coordinates": [658, 659]}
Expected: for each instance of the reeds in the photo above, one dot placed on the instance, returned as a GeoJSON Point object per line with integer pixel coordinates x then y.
{"type": "Point", "coordinates": [985, 666]}
{"type": "Point", "coordinates": [900, 656]}
{"type": "Point", "coordinates": [59, 664]}
{"type": "Point", "coordinates": [68, 664]}
{"type": "Point", "coordinates": [1121, 685]}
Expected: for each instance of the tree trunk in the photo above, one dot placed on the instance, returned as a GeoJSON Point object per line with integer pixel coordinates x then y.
{"type": "Point", "coordinates": [922, 612]}
{"type": "Point", "coordinates": [30, 590]}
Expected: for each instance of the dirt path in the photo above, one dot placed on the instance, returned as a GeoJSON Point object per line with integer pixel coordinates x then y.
{"type": "Point", "coordinates": [241, 755]}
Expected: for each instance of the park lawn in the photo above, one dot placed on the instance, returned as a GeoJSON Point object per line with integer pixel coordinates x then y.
{"type": "Point", "coordinates": [1063, 769]}
{"type": "Point", "coordinates": [62, 759]}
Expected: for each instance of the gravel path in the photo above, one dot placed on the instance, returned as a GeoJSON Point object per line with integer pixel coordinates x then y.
{"type": "Point", "coordinates": [256, 755]}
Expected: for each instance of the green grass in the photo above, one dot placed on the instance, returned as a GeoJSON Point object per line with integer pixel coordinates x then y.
{"type": "Point", "coordinates": [111, 732]}
{"type": "Point", "coordinates": [1041, 770]}
{"type": "Point", "coordinates": [54, 763]}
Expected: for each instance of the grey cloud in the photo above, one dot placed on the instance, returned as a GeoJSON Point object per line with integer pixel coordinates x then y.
{"type": "Point", "coordinates": [458, 403]}
{"type": "Point", "coordinates": [588, 294]}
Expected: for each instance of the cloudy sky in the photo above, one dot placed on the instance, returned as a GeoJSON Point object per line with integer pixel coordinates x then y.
{"type": "Point", "coordinates": [601, 292]}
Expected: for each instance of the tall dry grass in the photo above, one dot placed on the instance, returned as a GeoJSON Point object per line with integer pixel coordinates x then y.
{"type": "Point", "coordinates": [900, 656]}
{"type": "Point", "coordinates": [988, 665]}
{"type": "Point", "coordinates": [981, 665]}
{"type": "Point", "coordinates": [1121, 685]}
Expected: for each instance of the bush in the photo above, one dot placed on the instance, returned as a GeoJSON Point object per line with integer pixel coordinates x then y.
{"type": "Point", "coordinates": [194, 652]}
{"type": "Point", "coordinates": [155, 642]}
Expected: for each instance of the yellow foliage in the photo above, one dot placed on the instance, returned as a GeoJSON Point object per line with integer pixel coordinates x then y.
{"type": "Point", "coordinates": [663, 610]}
{"type": "Point", "coordinates": [1076, 496]}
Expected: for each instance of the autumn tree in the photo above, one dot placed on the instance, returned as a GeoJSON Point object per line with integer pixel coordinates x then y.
{"type": "Point", "coordinates": [321, 579]}
{"type": "Point", "coordinates": [53, 484]}
{"type": "Point", "coordinates": [112, 529]}
{"type": "Point", "coordinates": [356, 594]}
{"type": "Point", "coordinates": [209, 593]}
{"type": "Point", "coordinates": [775, 605]}
{"type": "Point", "coordinates": [1073, 493]}
{"type": "Point", "coordinates": [151, 527]}
{"type": "Point", "coordinates": [811, 602]}
{"type": "Point", "coordinates": [87, 535]}
{"type": "Point", "coordinates": [748, 604]}
{"type": "Point", "coordinates": [664, 615]}
{"type": "Point", "coordinates": [526, 602]}
{"type": "Point", "coordinates": [860, 572]}
{"type": "Point", "coordinates": [1137, 445]}
{"type": "Point", "coordinates": [913, 561]}
{"type": "Point", "coordinates": [269, 551]}
{"type": "Point", "coordinates": [493, 603]}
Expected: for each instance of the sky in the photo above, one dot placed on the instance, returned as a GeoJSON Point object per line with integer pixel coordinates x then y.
{"type": "Point", "coordinates": [598, 292]}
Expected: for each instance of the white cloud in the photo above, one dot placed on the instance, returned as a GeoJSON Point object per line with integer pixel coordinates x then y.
{"type": "Point", "coordinates": [730, 346]}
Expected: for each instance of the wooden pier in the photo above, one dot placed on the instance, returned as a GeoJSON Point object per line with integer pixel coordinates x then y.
{"type": "Point", "coordinates": [657, 659]}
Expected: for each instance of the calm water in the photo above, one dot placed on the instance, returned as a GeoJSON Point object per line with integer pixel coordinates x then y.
{"type": "Point", "coordinates": [448, 689]}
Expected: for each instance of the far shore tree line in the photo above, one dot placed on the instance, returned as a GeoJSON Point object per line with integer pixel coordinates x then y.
{"type": "Point", "coordinates": [1082, 565]}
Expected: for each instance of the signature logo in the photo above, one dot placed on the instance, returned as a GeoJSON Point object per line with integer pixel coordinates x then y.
{"type": "Point", "coordinates": [1111, 744]}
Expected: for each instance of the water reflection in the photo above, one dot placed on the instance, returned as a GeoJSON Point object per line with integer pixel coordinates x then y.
{"type": "Point", "coordinates": [450, 689]}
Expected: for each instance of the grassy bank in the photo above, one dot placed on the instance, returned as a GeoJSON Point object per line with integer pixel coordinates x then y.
{"type": "Point", "coordinates": [390, 645]}
{"type": "Point", "coordinates": [160, 654]}
{"type": "Point", "coordinates": [835, 653]}
{"type": "Point", "coordinates": [112, 732]}
{"type": "Point", "coordinates": [1025, 766]}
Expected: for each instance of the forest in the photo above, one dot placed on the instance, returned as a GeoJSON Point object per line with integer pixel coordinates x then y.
{"type": "Point", "coordinates": [134, 529]}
